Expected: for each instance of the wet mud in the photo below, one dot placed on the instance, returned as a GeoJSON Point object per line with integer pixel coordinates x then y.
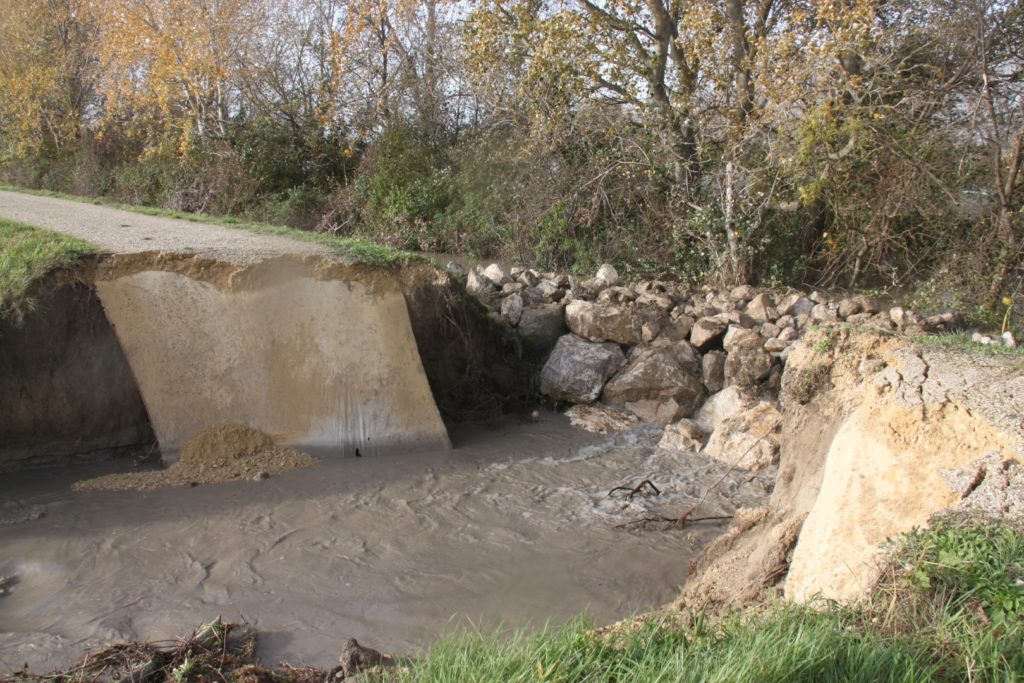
{"type": "Point", "coordinates": [514, 527]}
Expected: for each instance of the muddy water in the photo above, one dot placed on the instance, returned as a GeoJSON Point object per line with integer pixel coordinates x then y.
{"type": "Point", "coordinates": [514, 527]}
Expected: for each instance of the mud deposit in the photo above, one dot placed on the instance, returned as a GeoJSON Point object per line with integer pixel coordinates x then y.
{"type": "Point", "coordinates": [216, 454]}
{"type": "Point", "coordinates": [514, 527]}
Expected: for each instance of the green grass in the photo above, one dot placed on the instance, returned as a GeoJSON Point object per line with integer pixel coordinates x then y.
{"type": "Point", "coordinates": [961, 341]}
{"type": "Point", "coordinates": [353, 249]}
{"type": "Point", "coordinates": [950, 609]}
{"type": "Point", "coordinates": [26, 254]}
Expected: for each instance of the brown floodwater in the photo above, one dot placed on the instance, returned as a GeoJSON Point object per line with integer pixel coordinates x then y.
{"type": "Point", "coordinates": [513, 528]}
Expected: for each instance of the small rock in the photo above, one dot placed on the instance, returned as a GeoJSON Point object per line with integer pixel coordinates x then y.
{"type": "Point", "coordinates": [1009, 341]}
{"type": "Point", "coordinates": [455, 269]}
{"type": "Point", "coordinates": [848, 307]}
{"type": "Point", "coordinates": [261, 475]}
{"type": "Point", "coordinates": [738, 336]}
{"type": "Point", "coordinates": [742, 293]}
{"type": "Point", "coordinates": [683, 435]}
{"type": "Point", "coordinates": [762, 309]}
{"type": "Point", "coordinates": [512, 309]}
{"type": "Point", "coordinates": [616, 295]}
{"type": "Point", "coordinates": [655, 412]}
{"type": "Point", "coordinates": [713, 370]}
{"type": "Point", "coordinates": [529, 277]}
{"type": "Point", "coordinates": [707, 331]}
{"type": "Point", "coordinates": [748, 363]}
{"type": "Point", "coordinates": [795, 304]}
{"type": "Point", "coordinates": [608, 274]}
{"type": "Point", "coordinates": [497, 275]}
{"type": "Point", "coordinates": [477, 284]}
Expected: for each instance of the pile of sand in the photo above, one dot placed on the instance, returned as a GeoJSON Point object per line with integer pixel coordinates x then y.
{"type": "Point", "coordinates": [220, 453]}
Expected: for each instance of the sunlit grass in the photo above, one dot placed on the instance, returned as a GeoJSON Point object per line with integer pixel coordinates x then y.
{"type": "Point", "coordinates": [26, 254]}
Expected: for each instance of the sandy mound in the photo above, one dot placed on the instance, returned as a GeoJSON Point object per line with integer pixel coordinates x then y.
{"type": "Point", "coordinates": [219, 453]}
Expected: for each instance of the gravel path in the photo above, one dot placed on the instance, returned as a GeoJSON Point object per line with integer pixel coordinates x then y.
{"type": "Point", "coordinates": [125, 232]}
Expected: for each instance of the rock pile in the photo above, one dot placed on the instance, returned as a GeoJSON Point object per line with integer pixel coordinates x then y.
{"type": "Point", "coordinates": [704, 363]}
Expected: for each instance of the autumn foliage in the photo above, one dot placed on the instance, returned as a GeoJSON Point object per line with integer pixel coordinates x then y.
{"type": "Point", "coordinates": [841, 141]}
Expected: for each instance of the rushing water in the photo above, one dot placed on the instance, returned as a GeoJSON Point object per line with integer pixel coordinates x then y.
{"type": "Point", "coordinates": [514, 527]}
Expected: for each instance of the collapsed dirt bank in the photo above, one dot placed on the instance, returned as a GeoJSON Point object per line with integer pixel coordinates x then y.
{"type": "Point", "coordinates": [878, 435]}
{"type": "Point", "coordinates": [216, 454]}
{"type": "Point", "coordinates": [316, 352]}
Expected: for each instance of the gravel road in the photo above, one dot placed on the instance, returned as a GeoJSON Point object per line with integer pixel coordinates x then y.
{"type": "Point", "coordinates": [125, 232]}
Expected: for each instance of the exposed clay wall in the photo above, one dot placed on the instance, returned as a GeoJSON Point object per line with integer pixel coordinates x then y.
{"type": "Point", "coordinates": [874, 430]}
{"type": "Point", "coordinates": [315, 353]}
{"type": "Point", "coordinates": [65, 386]}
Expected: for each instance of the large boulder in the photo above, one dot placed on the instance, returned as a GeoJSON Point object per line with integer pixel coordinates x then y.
{"type": "Point", "coordinates": [747, 363]}
{"type": "Point", "coordinates": [654, 373]}
{"type": "Point", "coordinates": [749, 440]}
{"type": "Point", "coordinates": [599, 322]}
{"type": "Point", "coordinates": [577, 369]}
{"type": "Point", "coordinates": [540, 327]}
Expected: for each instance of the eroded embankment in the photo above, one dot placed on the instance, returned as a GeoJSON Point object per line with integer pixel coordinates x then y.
{"type": "Point", "coordinates": [65, 386]}
{"type": "Point", "coordinates": [878, 436]}
{"type": "Point", "coordinates": [318, 353]}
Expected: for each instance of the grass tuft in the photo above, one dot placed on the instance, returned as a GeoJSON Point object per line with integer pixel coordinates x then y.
{"type": "Point", "coordinates": [26, 254]}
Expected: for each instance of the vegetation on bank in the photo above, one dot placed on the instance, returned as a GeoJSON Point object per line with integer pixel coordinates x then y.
{"type": "Point", "coordinates": [26, 254]}
{"type": "Point", "coordinates": [841, 144]}
{"type": "Point", "coordinates": [355, 249]}
{"type": "Point", "coordinates": [950, 607]}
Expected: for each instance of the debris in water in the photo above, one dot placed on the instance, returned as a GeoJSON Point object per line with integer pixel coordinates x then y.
{"type": "Point", "coordinates": [215, 651]}
{"type": "Point", "coordinates": [600, 419]}
{"type": "Point", "coordinates": [216, 454]}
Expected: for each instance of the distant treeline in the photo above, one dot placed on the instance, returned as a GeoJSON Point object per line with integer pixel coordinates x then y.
{"type": "Point", "coordinates": [845, 142]}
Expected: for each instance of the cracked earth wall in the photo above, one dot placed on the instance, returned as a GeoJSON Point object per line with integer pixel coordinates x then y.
{"type": "Point", "coordinates": [878, 436]}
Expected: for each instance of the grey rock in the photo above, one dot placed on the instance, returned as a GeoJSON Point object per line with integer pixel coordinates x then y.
{"type": "Point", "coordinates": [512, 309]}
{"type": "Point", "coordinates": [795, 305]}
{"type": "Point", "coordinates": [455, 269]}
{"type": "Point", "coordinates": [541, 327]}
{"type": "Point", "coordinates": [577, 370]}
{"type": "Point", "coordinates": [608, 273]}
{"type": "Point", "coordinates": [747, 363]}
{"type": "Point", "coordinates": [497, 275]}
{"type": "Point", "coordinates": [713, 370]}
